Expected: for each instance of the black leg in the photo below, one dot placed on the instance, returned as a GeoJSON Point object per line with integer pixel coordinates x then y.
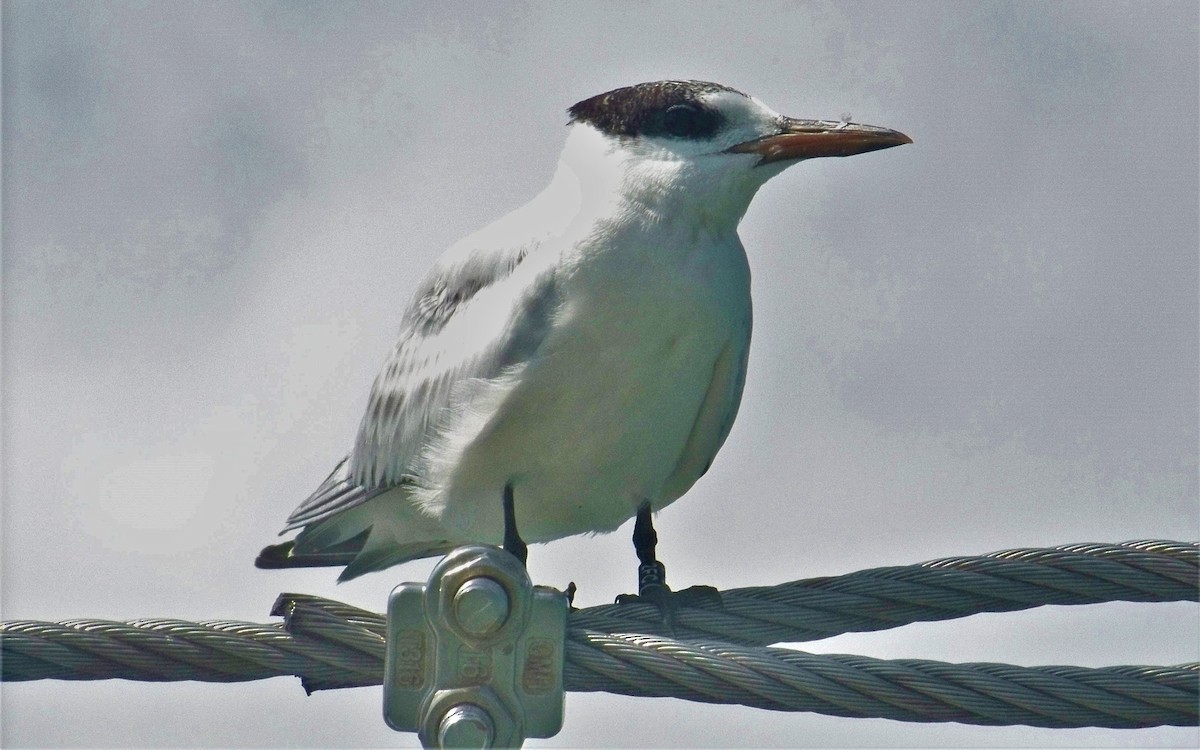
{"type": "Point", "coordinates": [652, 576]}
{"type": "Point", "coordinates": [645, 538]}
{"type": "Point", "coordinates": [513, 544]}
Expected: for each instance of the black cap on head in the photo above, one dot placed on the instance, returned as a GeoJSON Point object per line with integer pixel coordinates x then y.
{"type": "Point", "coordinates": [661, 108]}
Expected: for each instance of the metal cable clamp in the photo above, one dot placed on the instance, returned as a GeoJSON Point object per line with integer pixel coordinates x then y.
{"type": "Point", "coordinates": [475, 655]}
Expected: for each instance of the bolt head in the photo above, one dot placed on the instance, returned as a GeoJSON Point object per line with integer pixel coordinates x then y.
{"type": "Point", "coordinates": [466, 725]}
{"type": "Point", "coordinates": [481, 606]}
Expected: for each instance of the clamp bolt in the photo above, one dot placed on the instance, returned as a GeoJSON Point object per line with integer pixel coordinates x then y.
{"type": "Point", "coordinates": [481, 606]}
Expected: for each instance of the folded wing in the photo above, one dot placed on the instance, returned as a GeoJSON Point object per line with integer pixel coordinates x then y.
{"type": "Point", "coordinates": [475, 317]}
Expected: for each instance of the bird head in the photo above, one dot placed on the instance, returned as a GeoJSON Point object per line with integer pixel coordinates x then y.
{"type": "Point", "coordinates": [703, 144]}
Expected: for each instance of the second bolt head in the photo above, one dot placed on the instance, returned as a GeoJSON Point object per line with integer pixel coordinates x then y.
{"type": "Point", "coordinates": [466, 726]}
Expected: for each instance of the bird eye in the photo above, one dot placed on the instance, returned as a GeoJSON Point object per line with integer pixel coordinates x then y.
{"type": "Point", "coordinates": [685, 120]}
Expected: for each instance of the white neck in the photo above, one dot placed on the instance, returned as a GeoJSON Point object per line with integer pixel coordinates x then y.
{"type": "Point", "coordinates": [614, 183]}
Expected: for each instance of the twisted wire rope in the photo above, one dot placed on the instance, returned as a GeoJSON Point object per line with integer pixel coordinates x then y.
{"type": "Point", "coordinates": [902, 689]}
{"type": "Point", "coordinates": [714, 656]}
{"type": "Point", "coordinates": [882, 598]}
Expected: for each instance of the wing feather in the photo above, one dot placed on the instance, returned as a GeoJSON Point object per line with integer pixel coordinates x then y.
{"type": "Point", "coordinates": [337, 493]}
{"type": "Point", "coordinates": [472, 332]}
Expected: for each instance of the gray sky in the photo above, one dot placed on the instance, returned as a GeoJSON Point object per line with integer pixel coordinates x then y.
{"type": "Point", "coordinates": [214, 212]}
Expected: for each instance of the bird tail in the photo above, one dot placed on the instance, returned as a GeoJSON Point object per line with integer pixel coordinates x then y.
{"type": "Point", "coordinates": [369, 550]}
{"type": "Point", "coordinates": [285, 555]}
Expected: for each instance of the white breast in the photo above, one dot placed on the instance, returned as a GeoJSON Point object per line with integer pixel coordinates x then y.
{"type": "Point", "coordinates": [598, 423]}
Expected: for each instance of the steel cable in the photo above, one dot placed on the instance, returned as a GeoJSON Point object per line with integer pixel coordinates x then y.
{"type": "Point", "coordinates": [713, 657]}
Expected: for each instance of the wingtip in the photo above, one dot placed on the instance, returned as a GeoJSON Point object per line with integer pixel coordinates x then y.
{"type": "Point", "coordinates": [275, 556]}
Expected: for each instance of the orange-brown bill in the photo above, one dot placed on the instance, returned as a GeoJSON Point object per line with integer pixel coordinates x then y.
{"type": "Point", "coordinates": [810, 139]}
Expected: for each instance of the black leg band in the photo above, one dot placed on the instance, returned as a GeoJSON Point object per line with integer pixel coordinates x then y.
{"type": "Point", "coordinates": [652, 577]}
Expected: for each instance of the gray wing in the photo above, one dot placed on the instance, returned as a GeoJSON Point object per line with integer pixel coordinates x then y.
{"type": "Point", "coordinates": [472, 318]}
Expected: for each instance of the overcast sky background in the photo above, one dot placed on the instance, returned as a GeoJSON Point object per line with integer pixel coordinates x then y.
{"type": "Point", "coordinates": [214, 212]}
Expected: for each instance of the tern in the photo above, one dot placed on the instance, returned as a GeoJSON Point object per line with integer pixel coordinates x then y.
{"type": "Point", "coordinates": [580, 361]}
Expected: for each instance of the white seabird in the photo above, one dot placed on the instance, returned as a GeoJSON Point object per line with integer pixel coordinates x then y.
{"type": "Point", "coordinates": [581, 360]}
